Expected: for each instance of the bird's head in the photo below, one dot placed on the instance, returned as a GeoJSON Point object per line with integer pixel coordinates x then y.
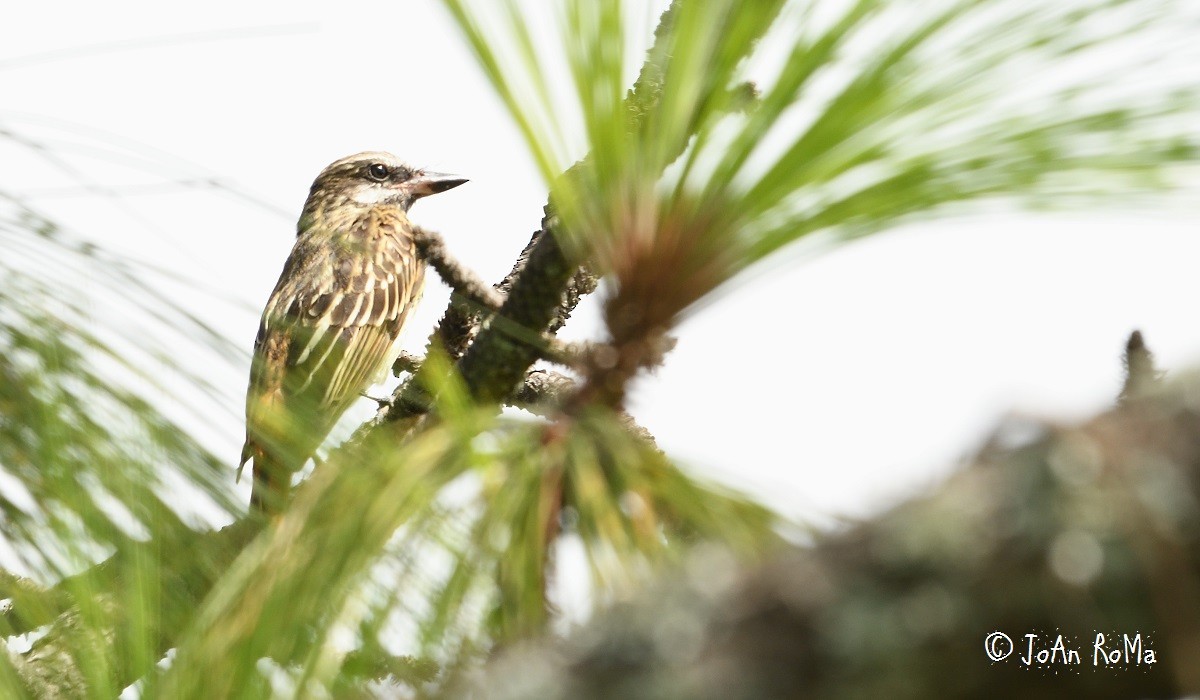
{"type": "Point", "coordinates": [376, 178]}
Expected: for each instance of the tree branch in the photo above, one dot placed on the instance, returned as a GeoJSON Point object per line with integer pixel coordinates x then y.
{"type": "Point", "coordinates": [543, 393]}
{"type": "Point", "coordinates": [459, 278]}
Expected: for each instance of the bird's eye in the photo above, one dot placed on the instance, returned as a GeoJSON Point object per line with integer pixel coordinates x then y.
{"type": "Point", "coordinates": [377, 172]}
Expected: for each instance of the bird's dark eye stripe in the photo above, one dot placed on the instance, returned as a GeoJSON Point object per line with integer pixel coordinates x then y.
{"type": "Point", "coordinates": [377, 171]}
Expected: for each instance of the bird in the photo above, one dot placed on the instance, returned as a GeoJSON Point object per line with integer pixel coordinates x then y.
{"type": "Point", "coordinates": [332, 325]}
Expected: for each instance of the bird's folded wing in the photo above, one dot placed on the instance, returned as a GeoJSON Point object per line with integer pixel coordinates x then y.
{"type": "Point", "coordinates": [345, 330]}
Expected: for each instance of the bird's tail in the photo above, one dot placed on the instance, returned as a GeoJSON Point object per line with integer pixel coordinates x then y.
{"type": "Point", "coordinates": [272, 479]}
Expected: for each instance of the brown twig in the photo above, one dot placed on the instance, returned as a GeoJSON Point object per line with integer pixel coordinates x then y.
{"type": "Point", "coordinates": [459, 277]}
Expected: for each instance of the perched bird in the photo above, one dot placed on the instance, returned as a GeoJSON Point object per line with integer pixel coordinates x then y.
{"type": "Point", "coordinates": [332, 325]}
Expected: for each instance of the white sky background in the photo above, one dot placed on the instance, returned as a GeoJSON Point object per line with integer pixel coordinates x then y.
{"type": "Point", "coordinates": [893, 357]}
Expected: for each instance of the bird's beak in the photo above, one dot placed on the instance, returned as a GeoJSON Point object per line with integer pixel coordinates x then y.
{"type": "Point", "coordinates": [427, 183]}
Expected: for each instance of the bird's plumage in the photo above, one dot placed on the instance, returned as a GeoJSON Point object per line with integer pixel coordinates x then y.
{"type": "Point", "coordinates": [333, 322]}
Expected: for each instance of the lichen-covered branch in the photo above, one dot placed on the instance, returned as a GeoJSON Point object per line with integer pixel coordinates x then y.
{"type": "Point", "coordinates": [544, 393]}
{"type": "Point", "coordinates": [460, 278]}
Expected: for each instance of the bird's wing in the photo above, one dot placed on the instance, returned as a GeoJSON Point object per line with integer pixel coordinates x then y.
{"type": "Point", "coordinates": [330, 325]}
{"type": "Point", "coordinates": [358, 322]}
